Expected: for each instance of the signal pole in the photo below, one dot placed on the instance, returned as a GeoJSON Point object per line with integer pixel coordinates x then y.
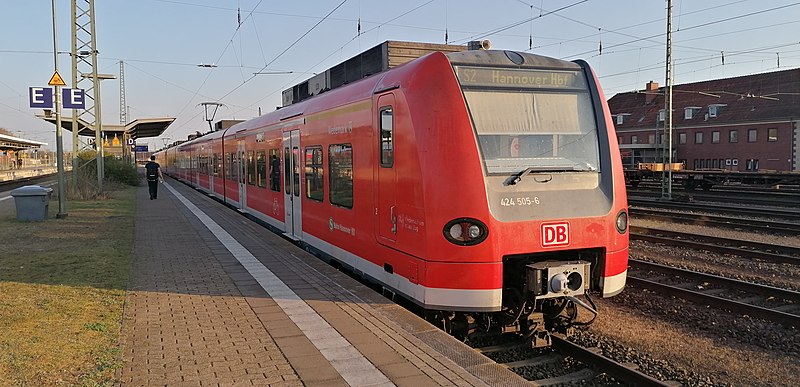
{"type": "Point", "coordinates": [62, 196]}
{"type": "Point", "coordinates": [666, 185]}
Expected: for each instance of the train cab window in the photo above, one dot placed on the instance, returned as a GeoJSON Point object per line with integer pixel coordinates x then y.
{"type": "Point", "coordinates": [314, 179]}
{"type": "Point", "coordinates": [251, 167]}
{"type": "Point", "coordinates": [543, 127]}
{"type": "Point", "coordinates": [274, 170]}
{"type": "Point", "coordinates": [340, 167]}
{"type": "Point", "coordinates": [387, 136]}
{"type": "Point", "coordinates": [261, 169]}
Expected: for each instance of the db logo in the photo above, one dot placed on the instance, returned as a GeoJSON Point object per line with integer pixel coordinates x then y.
{"type": "Point", "coordinates": [555, 234]}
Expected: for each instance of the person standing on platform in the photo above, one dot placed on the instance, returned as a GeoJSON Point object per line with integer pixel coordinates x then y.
{"type": "Point", "coordinates": [153, 174]}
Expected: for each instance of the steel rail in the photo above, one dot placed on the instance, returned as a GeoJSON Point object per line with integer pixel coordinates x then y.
{"type": "Point", "coordinates": [613, 368]}
{"type": "Point", "coordinates": [765, 251]}
{"type": "Point", "coordinates": [783, 213]}
{"type": "Point", "coordinates": [715, 220]}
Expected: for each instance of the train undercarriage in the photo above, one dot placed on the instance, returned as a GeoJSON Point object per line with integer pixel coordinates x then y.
{"type": "Point", "coordinates": [544, 294]}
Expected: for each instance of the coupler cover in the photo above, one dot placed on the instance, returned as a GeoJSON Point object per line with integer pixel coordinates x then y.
{"type": "Point", "coordinates": [551, 279]}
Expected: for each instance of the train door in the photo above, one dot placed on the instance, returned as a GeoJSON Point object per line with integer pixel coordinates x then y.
{"type": "Point", "coordinates": [291, 183]}
{"type": "Point", "coordinates": [387, 172]}
{"type": "Point", "coordinates": [241, 169]}
{"type": "Point", "coordinates": [198, 155]}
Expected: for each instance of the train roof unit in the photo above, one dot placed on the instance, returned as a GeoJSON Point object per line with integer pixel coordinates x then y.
{"type": "Point", "coordinates": [380, 58]}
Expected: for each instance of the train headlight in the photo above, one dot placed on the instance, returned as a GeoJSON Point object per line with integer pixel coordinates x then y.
{"type": "Point", "coordinates": [465, 231]}
{"type": "Point", "coordinates": [622, 222]}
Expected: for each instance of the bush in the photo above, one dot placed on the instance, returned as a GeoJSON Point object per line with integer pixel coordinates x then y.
{"type": "Point", "coordinates": [120, 171]}
{"type": "Point", "coordinates": [83, 182]}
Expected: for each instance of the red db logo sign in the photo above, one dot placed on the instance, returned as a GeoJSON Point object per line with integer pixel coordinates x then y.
{"type": "Point", "coordinates": [555, 234]}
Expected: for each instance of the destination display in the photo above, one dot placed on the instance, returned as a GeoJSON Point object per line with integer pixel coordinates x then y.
{"type": "Point", "coordinates": [525, 78]}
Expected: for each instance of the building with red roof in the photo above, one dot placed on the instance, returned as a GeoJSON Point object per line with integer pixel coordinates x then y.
{"type": "Point", "coordinates": [745, 123]}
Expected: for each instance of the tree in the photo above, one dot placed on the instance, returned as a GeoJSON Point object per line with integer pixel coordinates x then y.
{"type": "Point", "coordinates": [5, 131]}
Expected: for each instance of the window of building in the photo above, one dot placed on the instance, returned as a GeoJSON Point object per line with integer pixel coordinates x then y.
{"type": "Point", "coordinates": [261, 169]}
{"type": "Point", "coordinates": [651, 139]}
{"type": "Point", "coordinates": [314, 182]}
{"type": "Point", "coordinates": [340, 164]}
{"type": "Point", "coordinates": [698, 137]}
{"type": "Point", "coordinates": [752, 135]}
{"type": "Point", "coordinates": [662, 114]}
{"type": "Point", "coordinates": [620, 119]}
{"type": "Point", "coordinates": [634, 139]}
{"type": "Point", "coordinates": [274, 170]}
{"type": "Point", "coordinates": [715, 137]}
{"type": "Point", "coordinates": [251, 167]}
{"type": "Point", "coordinates": [772, 134]}
{"type": "Point", "coordinates": [733, 136]}
{"type": "Point", "coordinates": [712, 110]}
{"type": "Point", "coordinates": [387, 136]}
{"type": "Point", "coordinates": [751, 165]}
{"type": "Point", "coordinates": [681, 138]}
{"type": "Point", "coordinates": [619, 139]}
{"type": "Point", "coordinates": [690, 112]}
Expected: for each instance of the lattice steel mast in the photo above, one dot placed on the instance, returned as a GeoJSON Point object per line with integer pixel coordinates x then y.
{"type": "Point", "coordinates": [84, 76]}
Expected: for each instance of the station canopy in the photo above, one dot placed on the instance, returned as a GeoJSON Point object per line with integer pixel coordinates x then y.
{"type": "Point", "coordinates": [138, 128]}
{"type": "Point", "coordinates": [15, 143]}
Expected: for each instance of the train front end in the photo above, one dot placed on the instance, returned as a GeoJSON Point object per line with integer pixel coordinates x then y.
{"type": "Point", "coordinates": [557, 223]}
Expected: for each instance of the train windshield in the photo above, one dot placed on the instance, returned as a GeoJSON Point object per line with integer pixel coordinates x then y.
{"type": "Point", "coordinates": [532, 120]}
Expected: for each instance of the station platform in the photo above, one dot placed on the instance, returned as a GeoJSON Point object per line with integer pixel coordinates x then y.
{"type": "Point", "coordinates": [216, 299]}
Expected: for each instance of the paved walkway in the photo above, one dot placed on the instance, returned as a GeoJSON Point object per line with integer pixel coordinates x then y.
{"type": "Point", "coordinates": [205, 308]}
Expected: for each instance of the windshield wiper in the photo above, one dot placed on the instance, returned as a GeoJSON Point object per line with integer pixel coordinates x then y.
{"type": "Point", "coordinates": [514, 179]}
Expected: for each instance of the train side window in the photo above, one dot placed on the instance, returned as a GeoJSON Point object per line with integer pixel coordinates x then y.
{"type": "Point", "coordinates": [340, 167]}
{"type": "Point", "coordinates": [251, 167]}
{"type": "Point", "coordinates": [228, 166]}
{"type": "Point", "coordinates": [261, 169]}
{"type": "Point", "coordinates": [387, 136]}
{"type": "Point", "coordinates": [314, 174]}
{"type": "Point", "coordinates": [274, 170]}
{"type": "Point", "coordinates": [287, 161]}
{"type": "Point", "coordinates": [296, 170]}
{"type": "Point", "coordinates": [215, 164]}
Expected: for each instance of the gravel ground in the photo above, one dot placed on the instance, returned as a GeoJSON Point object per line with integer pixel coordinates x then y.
{"type": "Point", "coordinates": [697, 345]}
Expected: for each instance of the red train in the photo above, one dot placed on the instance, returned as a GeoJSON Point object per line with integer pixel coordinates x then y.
{"type": "Point", "coordinates": [485, 186]}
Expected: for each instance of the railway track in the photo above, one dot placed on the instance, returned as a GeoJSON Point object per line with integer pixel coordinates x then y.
{"type": "Point", "coordinates": [764, 198]}
{"type": "Point", "coordinates": [790, 214]}
{"type": "Point", "coordinates": [782, 227]}
{"type": "Point", "coordinates": [591, 364]}
{"type": "Point", "coordinates": [774, 304]}
{"type": "Point", "coordinates": [755, 250]}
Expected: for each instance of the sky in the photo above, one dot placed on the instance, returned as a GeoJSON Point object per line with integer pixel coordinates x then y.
{"type": "Point", "coordinates": [161, 43]}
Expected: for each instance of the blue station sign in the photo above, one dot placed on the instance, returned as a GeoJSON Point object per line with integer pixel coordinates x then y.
{"type": "Point", "coordinates": [42, 98]}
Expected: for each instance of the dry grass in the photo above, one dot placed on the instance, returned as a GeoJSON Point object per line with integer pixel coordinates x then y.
{"type": "Point", "coordinates": [62, 288]}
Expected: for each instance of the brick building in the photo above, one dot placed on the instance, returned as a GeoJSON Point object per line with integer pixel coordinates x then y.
{"type": "Point", "coordinates": [746, 123]}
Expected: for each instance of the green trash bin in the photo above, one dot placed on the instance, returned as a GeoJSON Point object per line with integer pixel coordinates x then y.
{"type": "Point", "coordinates": [32, 202]}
